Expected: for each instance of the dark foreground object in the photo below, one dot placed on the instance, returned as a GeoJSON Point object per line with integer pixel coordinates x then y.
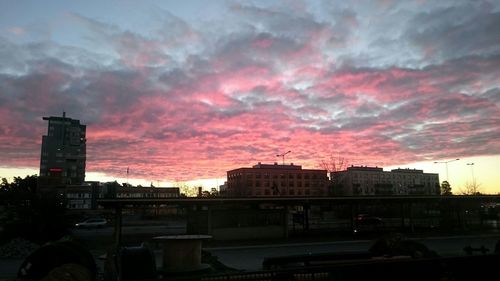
{"type": "Point", "coordinates": [483, 267]}
{"type": "Point", "coordinates": [388, 259]}
{"type": "Point", "coordinates": [63, 260]}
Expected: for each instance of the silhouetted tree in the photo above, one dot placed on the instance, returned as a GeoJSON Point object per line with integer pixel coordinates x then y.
{"type": "Point", "coordinates": [28, 215]}
{"type": "Point", "coordinates": [333, 163]}
{"type": "Point", "coordinates": [214, 192]}
{"type": "Point", "coordinates": [446, 188]}
{"type": "Point", "coordinates": [210, 194]}
{"type": "Point", "coordinates": [471, 188]}
{"type": "Point", "coordinates": [27, 184]}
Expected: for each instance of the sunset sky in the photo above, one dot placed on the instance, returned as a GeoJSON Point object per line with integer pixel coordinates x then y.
{"type": "Point", "coordinates": [186, 90]}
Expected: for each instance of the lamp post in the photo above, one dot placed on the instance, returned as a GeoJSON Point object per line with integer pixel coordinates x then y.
{"type": "Point", "coordinates": [471, 170]}
{"type": "Point", "coordinates": [446, 163]}
{"type": "Point", "coordinates": [283, 155]}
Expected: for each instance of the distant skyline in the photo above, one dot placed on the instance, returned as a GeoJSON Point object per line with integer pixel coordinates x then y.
{"type": "Point", "coordinates": [184, 91]}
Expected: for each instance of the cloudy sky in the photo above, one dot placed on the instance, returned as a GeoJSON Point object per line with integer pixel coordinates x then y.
{"type": "Point", "coordinates": [186, 90]}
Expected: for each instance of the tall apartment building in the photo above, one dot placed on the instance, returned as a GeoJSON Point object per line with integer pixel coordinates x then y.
{"type": "Point", "coordinates": [276, 180]}
{"type": "Point", "coordinates": [64, 150]}
{"type": "Point", "coordinates": [363, 180]}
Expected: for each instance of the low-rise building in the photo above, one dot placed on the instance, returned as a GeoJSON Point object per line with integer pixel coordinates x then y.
{"type": "Point", "coordinates": [365, 181]}
{"type": "Point", "coordinates": [85, 196]}
{"type": "Point", "coordinates": [147, 192]}
{"type": "Point", "coordinates": [276, 180]}
{"type": "Point", "coordinates": [80, 197]}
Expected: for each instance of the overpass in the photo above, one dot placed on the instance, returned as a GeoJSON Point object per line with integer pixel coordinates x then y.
{"type": "Point", "coordinates": [211, 215]}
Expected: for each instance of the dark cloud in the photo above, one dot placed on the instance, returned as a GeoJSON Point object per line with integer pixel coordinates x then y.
{"type": "Point", "coordinates": [456, 31]}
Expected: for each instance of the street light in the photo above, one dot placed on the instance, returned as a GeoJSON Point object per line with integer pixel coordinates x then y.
{"type": "Point", "coordinates": [471, 170]}
{"type": "Point", "coordinates": [283, 155]}
{"type": "Point", "coordinates": [446, 163]}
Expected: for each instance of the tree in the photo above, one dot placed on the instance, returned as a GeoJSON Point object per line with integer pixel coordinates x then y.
{"type": "Point", "coordinates": [214, 192]}
{"type": "Point", "coordinates": [27, 184]}
{"type": "Point", "coordinates": [471, 188]}
{"type": "Point", "coordinates": [29, 215]}
{"type": "Point", "coordinates": [333, 163]}
{"type": "Point", "coordinates": [186, 190]}
{"type": "Point", "coordinates": [210, 194]}
{"type": "Point", "coordinates": [446, 188]}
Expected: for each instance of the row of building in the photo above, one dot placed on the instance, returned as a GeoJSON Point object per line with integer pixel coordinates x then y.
{"type": "Point", "coordinates": [292, 180]}
{"type": "Point", "coordinates": [63, 159]}
{"type": "Point", "coordinates": [85, 195]}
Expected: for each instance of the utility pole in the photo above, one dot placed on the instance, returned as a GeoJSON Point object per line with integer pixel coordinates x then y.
{"type": "Point", "coordinates": [283, 155]}
{"type": "Point", "coordinates": [127, 175]}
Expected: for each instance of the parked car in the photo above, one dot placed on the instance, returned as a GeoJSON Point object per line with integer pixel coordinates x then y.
{"type": "Point", "coordinates": [367, 223]}
{"type": "Point", "coordinates": [92, 223]}
{"type": "Point", "coordinates": [367, 219]}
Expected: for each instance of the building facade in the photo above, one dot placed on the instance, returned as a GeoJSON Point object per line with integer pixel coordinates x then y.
{"type": "Point", "coordinates": [369, 181]}
{"type": "Point", "coordinates": [63, 152]}
{"type": "Point", "coordinates": [147, 192]}
{"type": "Point", "coordinates": [85, 196]}
{"type": "Point", "coordinates": [276, 180]}
{"type": "Point", "coordinates": [82, 196]}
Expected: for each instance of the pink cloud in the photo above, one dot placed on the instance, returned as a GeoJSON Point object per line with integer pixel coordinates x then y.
{"type": "Point", "coordinates": [247, 97]}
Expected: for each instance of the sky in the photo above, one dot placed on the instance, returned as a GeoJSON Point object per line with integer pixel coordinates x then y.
{"type": "Point", "coordinates": [183, 91]}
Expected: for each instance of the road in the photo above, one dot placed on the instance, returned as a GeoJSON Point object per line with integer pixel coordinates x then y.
{"type": "Point", "coordinates": [251, 257]}
{"type": "Point", "coordinates": [146, 229]}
